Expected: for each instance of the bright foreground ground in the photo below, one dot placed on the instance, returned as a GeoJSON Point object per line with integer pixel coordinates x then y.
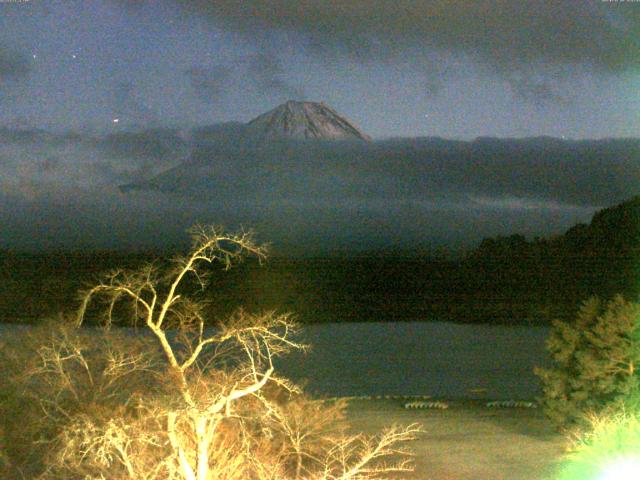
{"type": "Point", "coordinates": [469, 441]}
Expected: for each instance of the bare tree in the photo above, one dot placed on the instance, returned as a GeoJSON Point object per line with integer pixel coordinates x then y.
{"type": "Point", "coordinates": [206, 403]}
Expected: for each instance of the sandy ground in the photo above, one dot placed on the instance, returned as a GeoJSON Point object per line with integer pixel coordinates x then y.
{"type": "Point", "coordinates": [469, 441]}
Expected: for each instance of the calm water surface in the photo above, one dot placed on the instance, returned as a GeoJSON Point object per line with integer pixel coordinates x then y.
{"type": "Point", "coordinates": [417, 358]}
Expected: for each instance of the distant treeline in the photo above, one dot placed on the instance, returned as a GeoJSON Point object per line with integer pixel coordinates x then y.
{"type": "Point", "coordinates": [504, 280]}
{"type": "Point", "coordinates": [37, 285]}
{"type": "Point", "coordinates": [602, 258]}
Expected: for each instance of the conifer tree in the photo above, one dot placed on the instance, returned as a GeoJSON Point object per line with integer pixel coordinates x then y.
{"type": "Point", "coordinates": [596, 360]}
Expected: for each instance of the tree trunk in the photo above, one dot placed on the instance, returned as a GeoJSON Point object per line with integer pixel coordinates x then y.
{"type": "Point", "coordinates": [187, 471]}
{"type": "Point", "coordinates": [202, 438]}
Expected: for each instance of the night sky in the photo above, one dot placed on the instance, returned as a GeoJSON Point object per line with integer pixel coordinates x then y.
{"type": "Point", "coordinates": [397, 68]}
{"type": "Point", "coordinates": [457, 69]}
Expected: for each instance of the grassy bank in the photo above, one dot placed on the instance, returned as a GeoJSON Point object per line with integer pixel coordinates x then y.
{"type": "Point", "coordinates": [469, 441]}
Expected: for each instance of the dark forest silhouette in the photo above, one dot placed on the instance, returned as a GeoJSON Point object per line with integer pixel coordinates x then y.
{"type": "Point", "coordinates": [505, 279]}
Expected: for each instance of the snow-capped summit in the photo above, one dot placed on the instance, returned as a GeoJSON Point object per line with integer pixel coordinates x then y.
{"type": "Point", "coordinates": [304, 120]}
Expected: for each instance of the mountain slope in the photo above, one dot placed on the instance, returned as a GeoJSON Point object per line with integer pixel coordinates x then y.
{"type": "Point", "coordinates": [304, 120]}
{"type": "Point", "coordinates": [503, 174]}
{"type": "Point", "coordinates": [557, 274]}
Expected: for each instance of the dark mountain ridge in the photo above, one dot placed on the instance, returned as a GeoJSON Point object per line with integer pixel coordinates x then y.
{"type": "Point", "coordinates": [599, 258]}
{"type": "Point", "coordinates": [585, 173]}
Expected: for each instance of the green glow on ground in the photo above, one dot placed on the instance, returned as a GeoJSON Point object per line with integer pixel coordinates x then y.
{"type": "Point", "coordinates": [621, 469]}
{"type": "Point", "coordinates": [609, 451]}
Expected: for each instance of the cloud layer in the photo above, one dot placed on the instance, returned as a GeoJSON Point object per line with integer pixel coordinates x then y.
{"type": "Point", "coordinates": [262, 72]}
{"type": "Point", "coordinates": [505, 35]}
{"type": "Point", "coordinates": [61, 190]}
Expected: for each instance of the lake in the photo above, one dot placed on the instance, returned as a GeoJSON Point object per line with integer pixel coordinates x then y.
{"type": "Point", "coordinates": [420, 358]}
{"type": "Point", "coordinates": [440, 359]}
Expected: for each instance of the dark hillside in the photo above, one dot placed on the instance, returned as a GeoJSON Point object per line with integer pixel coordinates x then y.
{"type": "Point", "coordinates": [504, 280]}
{"type": "Point", "coordinates": [602, 258]}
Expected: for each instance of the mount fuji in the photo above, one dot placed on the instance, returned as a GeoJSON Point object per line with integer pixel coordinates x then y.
{"type": "Point", "coordinates": [304, 120]}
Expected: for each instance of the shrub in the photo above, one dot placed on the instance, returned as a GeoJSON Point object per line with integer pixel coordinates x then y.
{"type": "Point", "coordinates": [596, 360]}
{"type": "Point", "coordinates": [57, 374]}
{"type": "Point", "coordinates": [609, 449]}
